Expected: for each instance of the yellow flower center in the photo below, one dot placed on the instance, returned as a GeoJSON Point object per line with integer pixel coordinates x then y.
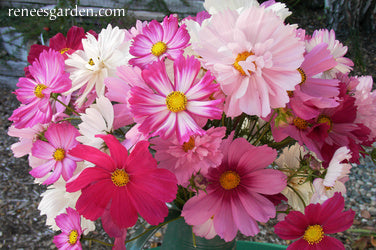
{"type": "Point", "coordinates": [241, 57]}
{"type": "Point", "coordinates": [59, 154]}
{"type": "Point", "coordinates": [300, 123]}
{"type": "Point", "coordinates": [158, 48]}
{"type": "Point", "coordinates": [91, 62]}
{"type": "Point", "coordinates": [176, 101]}
{"type": "Point", "coordinates": [62, 51]}
{"type": "Point", "coordinates": [229, 180]}
{"type": "Point", "coordinates": [325, 119]}
{"type": "Point", "coordinates": [303, 75]}
{"type": "Point", "coordinates": [313, 234]}
{"type": "Point", "coordinates": [189, 145]}
{"type": "Point", "coordinates": [73, 237]}
{"type": "Point", "coordinates": [38, 90]}
{"type": "Point", "coordinates": [327, 188]}
{"type": "Point", "coordinates": [120, 178]}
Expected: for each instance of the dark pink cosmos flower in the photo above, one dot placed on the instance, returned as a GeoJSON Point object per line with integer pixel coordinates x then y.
{"type": "Point", "coordinates": [312, 227]}
{"type": "Point", "coordinates": [122, 186]}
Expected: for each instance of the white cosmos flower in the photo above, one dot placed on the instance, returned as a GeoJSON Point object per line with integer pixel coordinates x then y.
{"type": "Point", "coordinates": [300, 189]}
{"type": "Point", "coordinates": [98, 119]}
{"type": "Point", "coordinates": [99, 59]}
{"type": "Point", "coordinates": [335, 178]}
{"type": "Point", "coordinates": [55, 200]}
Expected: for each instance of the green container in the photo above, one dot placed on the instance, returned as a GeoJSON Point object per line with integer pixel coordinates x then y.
{"type": "Point", "coordinates": [179, 236]}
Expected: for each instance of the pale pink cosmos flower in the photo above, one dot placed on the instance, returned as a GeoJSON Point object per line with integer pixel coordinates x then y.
{"type": "Point", "coordinates": [159, 41]}
{"type": "Point", "coordinates": [234, 196]}
{"type": "Point", "coordinates": [165, 108]}
{"type": "Point", "coordinates": [196, 155]}
{"type": "Point", "coordinates": [365, 100]}
{"type": "Point", "coordinates": [337, 50]}
{"type": "Point", "coordinates": [205, 230]}
{"type": "Point", "coordinates": [27, 136]}
{"type": "Point", "coordinates": [34, 93]}
{"type": "Point", "coordinates": [255, 67]}
{"type": "Point", "coordinates": [335, 178]}
{"type": "Point", "coordinates": [61, 138]}
{"type": "Point", "coordinates": [71, 231]}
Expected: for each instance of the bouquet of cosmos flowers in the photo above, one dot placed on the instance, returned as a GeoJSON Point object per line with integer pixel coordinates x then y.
{"type": "Point", "coordinates": [230, 117]}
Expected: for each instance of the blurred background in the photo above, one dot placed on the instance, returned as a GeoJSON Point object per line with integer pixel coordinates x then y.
{"type": "Point", "coordinates": [22, 227]}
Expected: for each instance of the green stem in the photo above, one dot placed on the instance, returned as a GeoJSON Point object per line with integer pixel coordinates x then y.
{"type": "Point", "coordinates": [194, 239]}
{"type": "Point", "coordinates": [66, 106]}
{"type": "Point", "coordinates": [98, 241]}
{"type": "Point", "coordinates": [69, 119]}
{"type": "Point", "coordinates": [282, 144]}
{"type": "Point", "coordinates": [357, 230]}
{"type": "Point", "coordinates": [152, 228]}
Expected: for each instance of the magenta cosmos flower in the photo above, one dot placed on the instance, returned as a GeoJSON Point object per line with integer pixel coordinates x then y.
{"type": "Point", "coordinates": [159, 41]}
{"type": "Point", "coordinates": [126, 185]}
{"type": "Point", "coordinates": [196, 155]}
{"type": "Point", "coordinates": [166, 107]}
{"type": "Point", "coordinates": [71, 231]}
{"type": "Point", "coordinates": [61, 138]}
{"type": "Point", "coordinates": [254, 66]}
{"type": "Point", "coordinates": [34, 94]}
{"type": "Point", "coordinates": [317, 221]}
{"type": "Point", "coordinates": [234, 195]}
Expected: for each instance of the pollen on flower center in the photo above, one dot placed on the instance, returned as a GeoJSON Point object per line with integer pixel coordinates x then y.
{"type": "Point", "coordinates": [62, 51]}
{"type": "Point", "coordinates": [73, 237]}
{"type": "Point", "coordinates": [176, 101]}
{"type": "Point", "coordinates": [158, 48]}
{"type": "Point", "coordinates": [328, 188]}
{"type": "Point", "coordinates": [313, 234]}
{"type": "Point", "coordinates": [325, 119]}
{"type": "Point", "coordinates": [120, 178]}
{"type": "Point", "coordinates": [59, 154]}
{"type": "Point", "coordinates": [229, 180]}
{"type": "Point", "coordinates": [91, 62]}
{"type": "Point", "coordinates": [38, 90]}
{"type": "Point", "coordinates": [303, 75]}
{"type": "Point", "coordinates": [300, 123]}
{"type": "Point", "coordinates": [242, 57]}
{"type": "Point", "coordinates": [189, 145]}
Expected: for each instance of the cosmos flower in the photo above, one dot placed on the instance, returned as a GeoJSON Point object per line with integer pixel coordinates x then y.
{"type": "Point", "coordinates": [234, 195]}
{"type": "Point", "coordinates": [122, 184]}
{"type": "Point", "coordinates": [61, 138]}
{"type": "Point", "coordinates": [312, 227]}
{"type": "Point", "coordinates": [165, 108]}
{"type": "Point", "coordinates": [255, 67]}
{"type": "Point", "coordinates": [71, 230]}
{"type": "Point", "coordinates": [158, 41]}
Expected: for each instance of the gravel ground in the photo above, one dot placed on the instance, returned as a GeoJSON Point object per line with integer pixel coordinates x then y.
{"type": "Point", "coordinates": [21, 226]}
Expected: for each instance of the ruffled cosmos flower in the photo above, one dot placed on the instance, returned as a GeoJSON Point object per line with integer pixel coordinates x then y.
{"type": "Point", "coordinates": [314, 93]}
{"type": "Point", "coordinates": [234, 195]}
{"type": "Point", "coordinates": [99, 59]}
{"type": "Point", "coordinates": [255, 67]}
{"type": "Point", "coordinates": [196, 155]}
{"type": "Point", "coordinates": [159, 41]}
{"type": "Point", "coordinates": [34, 94]}
{"type": "Point", "coordinates": [61, 138]}
{"type": "Point", "coordinates": [166, 108]}
{"type": "Point", "coordinates": [312, 227]}
{"type": "Point", "coordinates": [336, 48]}
{"type": "Point", "coordinates": [335, 177]}
{"type": "Point", "coordinates": [122, 184]}
{"type": "Point", "coordinates": [71, 231]}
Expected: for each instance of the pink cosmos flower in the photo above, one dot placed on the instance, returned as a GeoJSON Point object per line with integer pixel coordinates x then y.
{"type": "Point", "coordinates": [196, 155]}
{"type": "Point", "coordinates": [166, 108]}
{"type": "Point", "coordinates": [34, 94]}
{"type": "Point", "coordinates": [61, 138]}
{"type": "Point", "coordinates": [122, 184]}
{"type": "Point", "coordinates": [335, 177]}
{"type": "Point", "coordinates": [255, 67]}
{"type": "Point", "coordinates": [314, 93]}
{"type": "Point", "coordinates": [159, 41]}
{"type": "Point", "coordinates": [336, 48]}
{"type": "Point", "coordinates": [234, 195]}
{"type": "Point", "coordinates": [71, 231]}
{"type": "Point", "coordinates": [313, 226]}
